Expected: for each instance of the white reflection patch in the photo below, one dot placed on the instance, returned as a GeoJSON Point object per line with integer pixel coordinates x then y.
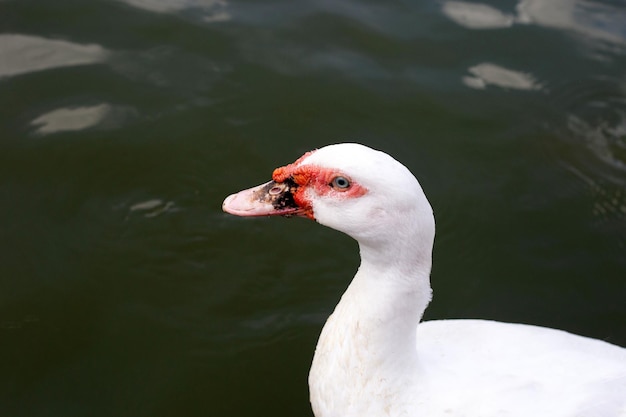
{"type": "Point", "coordinates": [476, 15]}
{"type": "Point", "coordinates": [68, 119]}
{"type": "Point", "coordinates": [216, 8]}
{"type": "Point", "coordinates": [22, 54]}
{"type": "Point", "coordinates": [487, 73]}
{"type": "Point", "coordinates": [154, 207]}
{"type": "Point", "coordinates": [595, 20]}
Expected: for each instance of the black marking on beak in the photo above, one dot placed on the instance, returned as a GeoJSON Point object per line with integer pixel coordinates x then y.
{"type": "Point", "coordinates": [278, 194]}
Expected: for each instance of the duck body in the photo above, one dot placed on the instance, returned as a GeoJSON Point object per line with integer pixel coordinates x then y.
{"type": "Point", "coordinates": [375, 357]}
{"type": "Point", "coordinates": [471, 368]}
{"type": "Point", "coordinates": [518, 370]}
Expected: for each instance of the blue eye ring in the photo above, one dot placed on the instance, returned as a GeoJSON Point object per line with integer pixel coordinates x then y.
{"type": "Point", "coordinates": [340, 183]}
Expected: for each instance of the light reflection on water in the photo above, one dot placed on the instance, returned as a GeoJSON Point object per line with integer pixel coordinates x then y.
{"type": "Point", "coordinates": [209, 10]}
{"type": "Point", "coordinates": [24, 53]}
{"type": "Point", "coordinates": [593, 20]}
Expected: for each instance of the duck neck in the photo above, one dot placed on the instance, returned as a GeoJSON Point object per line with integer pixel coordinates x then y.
{"type": "Point", "coordinates": [371, 335]}
{"type": "Point", "coordinates": [389, 295]}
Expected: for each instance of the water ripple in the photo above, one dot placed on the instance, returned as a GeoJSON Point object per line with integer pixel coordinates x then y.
{"type": "Point", "coordinates": [594, 112]}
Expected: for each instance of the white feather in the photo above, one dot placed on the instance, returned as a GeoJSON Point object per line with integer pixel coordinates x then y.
{"type": "Point", "coordinates": [373, 359]}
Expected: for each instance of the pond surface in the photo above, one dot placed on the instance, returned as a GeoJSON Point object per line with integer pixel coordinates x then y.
{"type": "Point", "coordinates": [124, 289]}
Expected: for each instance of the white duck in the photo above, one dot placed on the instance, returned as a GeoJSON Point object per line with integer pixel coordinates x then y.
{"type": "Point", "coordinates": [374, 358]}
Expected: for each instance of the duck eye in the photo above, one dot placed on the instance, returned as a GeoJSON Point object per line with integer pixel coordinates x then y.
{"type": "Point", "coordinates": [340, 183]}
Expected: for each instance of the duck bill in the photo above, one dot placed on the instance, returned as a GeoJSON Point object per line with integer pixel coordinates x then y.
{"type": "Point", "coordinates": [269, 199]}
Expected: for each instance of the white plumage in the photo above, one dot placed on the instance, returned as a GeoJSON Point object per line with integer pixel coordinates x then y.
{"type": "Point", "coordinates": [374, 358]}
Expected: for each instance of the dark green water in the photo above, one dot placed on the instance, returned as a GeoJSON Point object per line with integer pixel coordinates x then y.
{"type": "Point", "coordinates": [125, 291]}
